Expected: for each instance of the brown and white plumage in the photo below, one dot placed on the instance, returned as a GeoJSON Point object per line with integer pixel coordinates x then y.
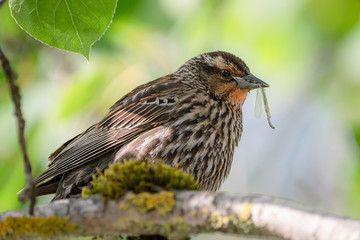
{"type": "Point", "coordinates": [191, 118]}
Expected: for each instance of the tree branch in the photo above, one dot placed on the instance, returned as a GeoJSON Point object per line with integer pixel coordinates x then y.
{"type": "Point", "coordinates": [196, 212]}
{"type": "Point", "coordinates": [29, 188]}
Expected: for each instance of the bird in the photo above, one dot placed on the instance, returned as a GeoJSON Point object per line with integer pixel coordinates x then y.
{"type": "Point", "coordinates": [191, 119]}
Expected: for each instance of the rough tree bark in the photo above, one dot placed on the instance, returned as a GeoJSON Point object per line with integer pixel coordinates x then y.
{"type": "Point", "coordinates": [193, 212]}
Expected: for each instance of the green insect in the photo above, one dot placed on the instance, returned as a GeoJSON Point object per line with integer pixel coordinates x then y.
{"type": "Point", "coordinates": [258, 106]}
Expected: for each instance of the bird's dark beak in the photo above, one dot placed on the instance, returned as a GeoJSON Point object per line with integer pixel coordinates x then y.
{"type": "Point", "coordinates": [250, 82]}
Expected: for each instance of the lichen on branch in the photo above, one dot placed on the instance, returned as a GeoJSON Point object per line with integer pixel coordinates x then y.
{"type": "Point", "coordinates": [32, 227]}
{"type": "Point", "coordinates": [149, 176]}
{"type": "Point", "coordinates": [162, 202]}
{"type": "Point", "coordinates": [147, 184]}
{"type": "Point", "coordinates": [194, 212]}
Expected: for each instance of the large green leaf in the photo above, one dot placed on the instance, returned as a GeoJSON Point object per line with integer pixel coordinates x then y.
{"type": "Point", "coordinates": [72, 25]}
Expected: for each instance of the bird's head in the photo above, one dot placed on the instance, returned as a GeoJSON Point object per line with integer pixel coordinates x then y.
{"type": "Point", "coordinates": [222, 74]}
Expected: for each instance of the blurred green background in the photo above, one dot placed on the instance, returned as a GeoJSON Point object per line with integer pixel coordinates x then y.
{"type": "Point", "coordinates": [307, 50]}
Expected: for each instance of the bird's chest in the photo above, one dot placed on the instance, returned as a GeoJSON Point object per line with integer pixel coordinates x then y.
{"type": "Point", "coordinates": [204, 141]}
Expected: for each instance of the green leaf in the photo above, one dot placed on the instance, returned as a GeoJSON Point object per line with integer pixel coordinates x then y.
{"type": "Point", "coordinates": [72, 25]}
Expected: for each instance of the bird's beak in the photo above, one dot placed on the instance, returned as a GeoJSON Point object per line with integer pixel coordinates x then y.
{"type": "Point", "coordinates": [250, 82]}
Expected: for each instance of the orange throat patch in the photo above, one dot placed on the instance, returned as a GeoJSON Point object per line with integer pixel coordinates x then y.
{"type": "Point", "coordinates": [238, 96]}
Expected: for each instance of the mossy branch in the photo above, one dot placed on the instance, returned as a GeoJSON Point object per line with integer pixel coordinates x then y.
{"type": "Point", "coordinates": [187, 213]}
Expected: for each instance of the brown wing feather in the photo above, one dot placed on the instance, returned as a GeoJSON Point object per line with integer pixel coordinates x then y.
{"type": "Point", "coordinates": [57, 151]}
{"type": "Point", "coordinates": [128, 118]}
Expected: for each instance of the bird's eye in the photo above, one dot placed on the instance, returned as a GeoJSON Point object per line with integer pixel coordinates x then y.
{"type": "Point", "coordinates": [225, 73]}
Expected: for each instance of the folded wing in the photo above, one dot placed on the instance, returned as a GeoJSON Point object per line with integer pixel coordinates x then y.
{"type": "Point", "coordinates": [146, 107]}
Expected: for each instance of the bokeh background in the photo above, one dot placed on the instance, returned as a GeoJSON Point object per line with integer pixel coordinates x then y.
{"type": "Point", "coordinates": [307, 50]}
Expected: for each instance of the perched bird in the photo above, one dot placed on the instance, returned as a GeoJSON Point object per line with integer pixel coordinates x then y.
{"type": "Point", "coordinates": [191, 118]}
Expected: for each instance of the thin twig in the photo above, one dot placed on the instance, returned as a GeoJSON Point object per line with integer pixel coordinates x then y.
{"type": "Point", "coordinates": [29, 189]}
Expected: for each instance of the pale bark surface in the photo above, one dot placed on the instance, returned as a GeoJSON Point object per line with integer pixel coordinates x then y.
{"type": "Point", "coordinates": [200, 212]}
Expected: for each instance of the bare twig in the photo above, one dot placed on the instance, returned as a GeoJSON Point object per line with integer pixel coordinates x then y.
{"type": "Point", "coordinates": [194, 212]}
{"type": "Point", "coordinates": [29, 188]}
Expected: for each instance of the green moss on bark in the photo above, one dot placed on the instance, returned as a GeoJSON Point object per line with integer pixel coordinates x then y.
{"type": "Point", "coordinates": [32, 227]}
{"type": "Point", "coordinates": [138, 176]}
{"type": "Point", "coordinates": [162, 202]}
{"type": "Point", "coordinates": [147, 183]}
